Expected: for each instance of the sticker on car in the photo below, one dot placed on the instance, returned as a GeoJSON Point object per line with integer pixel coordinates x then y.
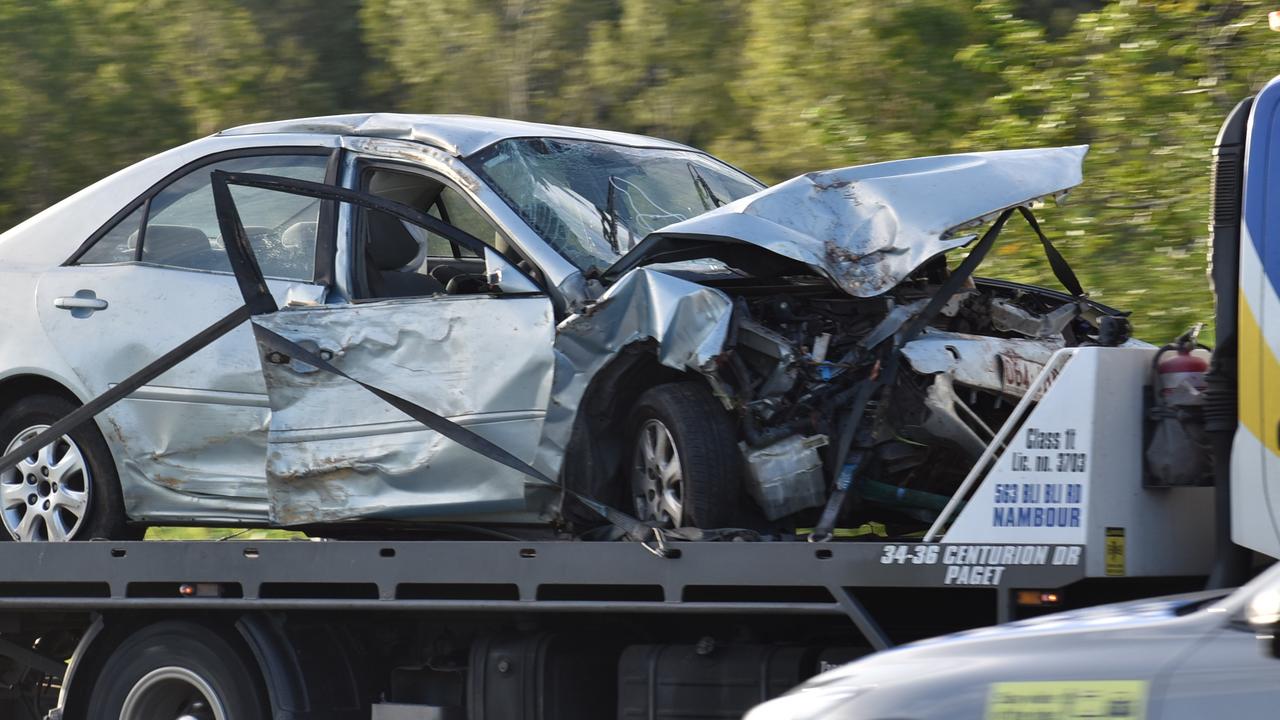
{"type": "Point", "coordinates": [1068, 700]}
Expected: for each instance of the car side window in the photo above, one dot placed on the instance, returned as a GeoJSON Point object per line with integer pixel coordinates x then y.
{"type": "Point", "coordinates": [402, 260]}
{"type": "Point", "coordinates": [438, 247]}
{"type": "Point", "coordinates": [460, 214]}
{"type": "Point", "coordinates": [119, 244]}
{"type": "Point", "coordinates": [180, 229]}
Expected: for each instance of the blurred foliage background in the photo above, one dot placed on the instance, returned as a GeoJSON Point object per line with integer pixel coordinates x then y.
{"type": "Point", "coordinates": [777, 87]}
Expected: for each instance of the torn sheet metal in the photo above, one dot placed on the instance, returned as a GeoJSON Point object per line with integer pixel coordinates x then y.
{"type": "Point", "coordinates": [867, 228]}
{"type": "Point", "coordinates": [998, 365]}
{"type": "Point", "coordinates": [1007, 317]}
{"type": "Point", "coordinates": [688, 321]}
{"type": "Point", "coordinates": [943, 420]}
{"type": "Point", "coordinates": [337, 452]}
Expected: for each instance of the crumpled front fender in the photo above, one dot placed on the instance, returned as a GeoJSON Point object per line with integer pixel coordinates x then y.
{"type": "Point", "coordinates": [688, 322]}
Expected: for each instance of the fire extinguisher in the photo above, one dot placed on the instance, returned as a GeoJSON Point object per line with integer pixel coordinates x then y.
{"type": "Point", "coordinates": [1180, 375]}
{"type": "Point", "coordinates": [1178, 452]}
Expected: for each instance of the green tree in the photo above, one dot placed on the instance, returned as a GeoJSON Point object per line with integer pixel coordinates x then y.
{"type": "Point", "coordinates": [662, 67]}
{"type": "Point", "coordinates": [777, 86]}
{"type": "Point", "coordinates": [90, 86]}
{"type": "Point", "coordinates": [1147, 85]}
{"type": "Point", "coordinates": [487, 57]}
{"type": "Point", "coordinates": [79, 97]}
{"type": "Point", "coordinates": [829, 84]}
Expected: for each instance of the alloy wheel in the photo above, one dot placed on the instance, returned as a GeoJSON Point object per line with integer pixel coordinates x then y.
{"type": "Point", "coordinates": [46, 497]}
{"type": "Point", "coordinates": [657, 481]}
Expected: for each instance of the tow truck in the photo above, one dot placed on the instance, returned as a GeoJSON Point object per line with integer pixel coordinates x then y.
{"type": "Point", "coordinates": [1060, 511]}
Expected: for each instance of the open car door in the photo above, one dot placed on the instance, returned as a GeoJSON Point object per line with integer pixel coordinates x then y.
{"type": "Point", "coordinates": [483, 361]}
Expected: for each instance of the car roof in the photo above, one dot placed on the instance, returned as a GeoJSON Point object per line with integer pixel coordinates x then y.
{"type": "Point", "coordinates": [459, 135]}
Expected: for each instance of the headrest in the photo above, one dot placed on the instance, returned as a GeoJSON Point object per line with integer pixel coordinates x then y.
{"type": "Point", "coordinates": [250, 231]}
{"type": "Point", "coordinates": [256, 232]}
{"type": "Point", "coordinates": [163, 242]}
{"type": "Point", "coordinates": [406, 188]}
{"type": "Point", "coordinates": [390, 246]}
{"type": "Point", "coordinates": [299, 235]}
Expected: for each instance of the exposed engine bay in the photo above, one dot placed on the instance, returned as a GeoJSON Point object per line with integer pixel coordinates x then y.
{"type": "Point", "coordinates": [800, 351]}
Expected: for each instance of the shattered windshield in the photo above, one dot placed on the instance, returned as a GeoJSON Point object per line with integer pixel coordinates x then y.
{"type": "Point", "coordinates": [594, 201]}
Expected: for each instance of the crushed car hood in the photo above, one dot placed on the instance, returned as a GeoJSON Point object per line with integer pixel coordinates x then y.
{"type": "Point", "coordinates": [866, 228]}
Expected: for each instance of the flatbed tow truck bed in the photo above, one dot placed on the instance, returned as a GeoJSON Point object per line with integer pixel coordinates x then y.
{"type": "Point", "coordinates": [515, 576]}
{"type": "Point", "coordinates": [488, 629]}
{"type": "Point", "coordinates": [288, 603]}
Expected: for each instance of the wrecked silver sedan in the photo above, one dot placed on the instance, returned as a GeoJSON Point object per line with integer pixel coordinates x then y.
{"type": "Point", "coordinates": [488, 322]}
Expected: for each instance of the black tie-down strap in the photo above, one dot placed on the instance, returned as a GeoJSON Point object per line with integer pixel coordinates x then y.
{"type": "Point", "coordinates": [249, 277]}
{"type": "Point", "coordinates": [1061, 269]}
{"type": "Point", "coordinates": [113, 395]}
{"type": "Point", "coordinates": [476, 443]}
{"type": "Point", "coordinates": [259, 301]}
{"type": "Point", "coordinates": [252, 287]}
{"type": "Point", "coordinates": [842, 481]}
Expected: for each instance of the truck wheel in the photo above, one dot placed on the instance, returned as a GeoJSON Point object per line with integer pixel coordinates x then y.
{"type": "Point", "coordinates": [684, 469]}
{"type": "Point", "coordinates": [68, 490]}
{"type": "Point", "coordinates": [177, 671]}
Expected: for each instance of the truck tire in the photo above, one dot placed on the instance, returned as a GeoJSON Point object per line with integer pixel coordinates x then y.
{"type": "Point", "coordinates": [177, 669]}
{"type": "Point", "coordinates": [684, 467]}
{"type": "Point", "coordinates": [34, 506]}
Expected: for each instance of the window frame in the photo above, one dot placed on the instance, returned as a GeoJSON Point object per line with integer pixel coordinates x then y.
{"type": "Point", "coordinates": [326, 222]}
{"type": "Point", "coordinates": [363, 166]}
{"type": "Point", "coordinates": [250, 277]}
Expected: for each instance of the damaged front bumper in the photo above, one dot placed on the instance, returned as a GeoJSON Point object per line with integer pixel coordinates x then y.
{"type": "Point", "coordinates": [838, 290]}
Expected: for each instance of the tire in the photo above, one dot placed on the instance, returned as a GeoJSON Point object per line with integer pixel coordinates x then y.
{"type": "Point", "coordinates": [709, 490]}
{"type": "Point", "coordinates": [86, 505]}
{"type": "Point", "coordinates": [185, 668]}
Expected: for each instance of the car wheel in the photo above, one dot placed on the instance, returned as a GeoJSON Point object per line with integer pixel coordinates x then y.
{"type": "Point", "coordinates": [684, 469]}
{"type": "Point", "coordinates": [67, 490]}
{"type": "Point", "coordinates": [177, 670]}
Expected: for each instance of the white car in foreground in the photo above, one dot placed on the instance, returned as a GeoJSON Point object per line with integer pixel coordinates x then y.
{"type": "Point", "coordinates": [1175, 658]}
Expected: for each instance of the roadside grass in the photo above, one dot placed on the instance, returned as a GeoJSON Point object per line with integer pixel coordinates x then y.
{"type": "Point", "coordinates": [200, 533]}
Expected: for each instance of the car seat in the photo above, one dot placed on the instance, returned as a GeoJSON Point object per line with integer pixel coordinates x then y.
{"type": "Point", "coordinates": [389, 248]}
{"type": "Point", "coordinates": [181, 246]}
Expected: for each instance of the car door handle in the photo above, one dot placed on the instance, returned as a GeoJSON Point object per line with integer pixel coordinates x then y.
{"type": "Point", "coordinates": [83, 304]}
{"type": "Point", "coordinates": [80, 303]}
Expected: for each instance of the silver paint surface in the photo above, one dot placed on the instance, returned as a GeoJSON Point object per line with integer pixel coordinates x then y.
{"type": "Point", "coordinates": [866, 228]}
{"type": "Point", "coordinates": [687, 321]}
{"type": "Point", "coordinates": [994, 364]}
{"type": "Point", "coordinates": [338, 452]}
{"type": "Point", "coordinates": [1194, 654]}
{"type": "Point", "coordinates": [459, 135]}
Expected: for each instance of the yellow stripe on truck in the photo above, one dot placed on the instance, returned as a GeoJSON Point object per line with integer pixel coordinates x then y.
{"type": "Point", "coordinates": [1259, 410]}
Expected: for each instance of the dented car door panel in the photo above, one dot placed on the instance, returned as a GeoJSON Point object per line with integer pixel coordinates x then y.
{"type": "Point", "coordinates": [189, 444]}
{"type": "Point", "coordinates": [338, 452]}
